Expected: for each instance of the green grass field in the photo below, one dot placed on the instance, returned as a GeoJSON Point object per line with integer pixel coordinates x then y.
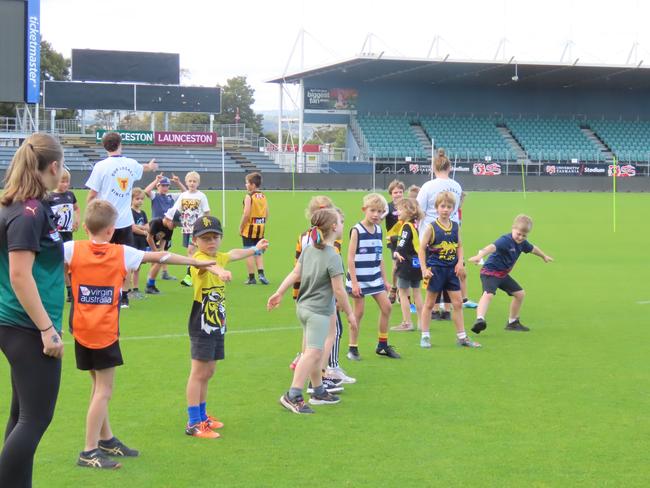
{"type": "Point", "coordinates": [564, 405]}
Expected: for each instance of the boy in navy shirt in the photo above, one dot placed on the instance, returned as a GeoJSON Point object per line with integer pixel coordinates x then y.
{"type": "Point", "coordinates": [495, 273]}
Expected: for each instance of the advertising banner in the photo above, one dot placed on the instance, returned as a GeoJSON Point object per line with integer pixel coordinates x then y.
{"type": "Point", "coordinates": [185, 138]}
{"type": "Point", "coordinates": [344, 99]}
{"type": "Point", "coordinates": [128, 136]}
{"type": "Point", "coordinates": [33, 52]}
{"type": "Point", "coordinates": [489, 169]}
{"type": "Point", "coordinates": [622, 171]}
{"type": "Point", "coordinates": [419, 168]}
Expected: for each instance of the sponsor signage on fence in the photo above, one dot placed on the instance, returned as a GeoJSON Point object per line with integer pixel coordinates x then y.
{"type": "Point", "coordinates": [343, 99]}
{"type": "Point", "coordinates": [33, 52]}
{"type": "Point", "coordinates": [490, 169]}
{"type": "Point", "coordinates": [418, 168]}
{"type": "Point", "coordinates": [185, 138]}
{"type": "Point", "coordinates": [622, 171]}
{"type": "Point", "coordinates": [132, 137]}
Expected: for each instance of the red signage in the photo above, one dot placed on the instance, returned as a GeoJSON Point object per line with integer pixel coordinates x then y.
{"type": "Point", "coordinates": [185, 138]}
{"type": "Point", "coordinates": [489, 169]}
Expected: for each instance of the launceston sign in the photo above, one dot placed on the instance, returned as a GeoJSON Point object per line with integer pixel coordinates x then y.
{"type": "Point", "coordinates": [162, 138]}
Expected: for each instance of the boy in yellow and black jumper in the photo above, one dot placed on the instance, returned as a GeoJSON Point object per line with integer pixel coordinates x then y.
{"type": "Point", "coordinates": [253, 225]}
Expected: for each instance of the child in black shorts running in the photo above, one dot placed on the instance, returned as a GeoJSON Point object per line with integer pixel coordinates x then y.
{"type": "Point", "coordinates": [495, 273]}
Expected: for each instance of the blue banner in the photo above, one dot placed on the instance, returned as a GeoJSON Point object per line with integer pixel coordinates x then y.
{"type": "Point", "coordinates": [33, 51]}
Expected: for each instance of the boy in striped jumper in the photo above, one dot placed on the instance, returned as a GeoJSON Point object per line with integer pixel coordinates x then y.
{"type": "Point", "coordinates": [367, 275]}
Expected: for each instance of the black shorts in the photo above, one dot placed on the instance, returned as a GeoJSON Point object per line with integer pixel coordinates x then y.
{"type": "Point", "coordinates": [95, 359]}
{"type": "Point", "coordinates": [444, 279]}
{"type": "Point", "coordinates": [65, 236]}
{"type": "Point", "coordinates": [492, 283]}
{"type": "Point", "coordinates": [187, 239]}
{"type": "Point", "coordinates": [207, 347]}
{"type": "Point", "coordinates": [123, 236]}
{"type": "Point", "coordinates": [140, 243]}
{"type": "Point", "coordinates": [250, 241]}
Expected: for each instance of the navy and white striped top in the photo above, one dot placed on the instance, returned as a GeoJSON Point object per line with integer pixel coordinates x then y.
{"type": "Point", "coordinates": [367, 261]}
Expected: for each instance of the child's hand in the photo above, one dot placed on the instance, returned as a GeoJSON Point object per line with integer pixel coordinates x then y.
{"type": "Point", "coordinates": [427, 273]}
{"type": "Point", "coordinates": [159, 177]}
{"type": "Point", "coordinates": [75, 226]}
{"type": "Point", "coordinates": [460, 271]}
{"type": "Point", "coordinates": [262, 245]}
{"type": "Point", "coordinates": [547, 259]}
{"type": "Point", "coordinates": [475, 259]}
{"type": "Point", "coordinates": [398, 257]}
{"type": "Point", "coordinates": [356, 290]}
{"type": "Point", "coordinates": [224, 275]}
{"type": "Point", "coordinates": [274, 301]}
{"type": "Point", "coordinates": [175, 178]}
{"type": "Point", "coordinates": [352, 321]}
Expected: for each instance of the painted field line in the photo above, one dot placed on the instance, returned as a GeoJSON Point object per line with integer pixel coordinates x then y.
{"type": "Point", "coordinates": [178, 336]}
{"type": "Point", "coordinates": [645, 302]}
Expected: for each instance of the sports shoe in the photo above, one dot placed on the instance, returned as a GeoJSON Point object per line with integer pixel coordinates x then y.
{"type": "Point", "coordinates": [392, 295]}
{"type": "Point", "coordinates": [96, 459]}
{"type": "Point", "coordinates": [353, 355]}
{"type": "Point", "coordinates": [201, 430]}
{"type": "Point", "coordinates": [479, 326]}
{"type": "Point", "coordinates": [517, 326]}
{"type": "Point", "coordinates": [294, 363]}
{"type": "Point", "coordinates": [425, 342]}
{"type": "Point", "coordinates": [436, 315]}
{"type": "Point", "coordinates": [325, 399]}
{"type": "Point", "coordinates": [388, 351]}
{"type": "Point", "coordinates": [331, 386]}
{"type": "Point", "coordinates": [470, 304]}
{"type": "Point", "coordinates": [167, 277]}
{"type": "Point", "coordinates": [413, 308]}
{"type": "Point", "coordinates": [68, 298]}
{"type": "Point", "coordinates": [339, 374]}
{"type": "Point", "coordinates": [445, 315]}
{"type": "Point", "coordinates": [403, 327]}
{"type": "Point", "coordinates": [124, 302]}
{"type": "Point", "coordinates": [250, 281]}
{"type": "Point", "coordinates": [467, 342]}
{"type": "Point", "coordinates": [136, 295]}
{"type": "Point", "coordinates": [116, 447]}
{"type": "Point", "coordinates": [297, 405]}
{"type": "Point", "coordinates": [263, 279]}
{"type": "Point", "coordinates": [152, 290]}
{"type": "Point", "coordinates": [186, 281]}
{"type": "Point", "coordinates": [213, 423]}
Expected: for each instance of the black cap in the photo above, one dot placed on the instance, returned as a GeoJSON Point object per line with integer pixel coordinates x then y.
{"type": "Point", "coordinates": [203, 225]}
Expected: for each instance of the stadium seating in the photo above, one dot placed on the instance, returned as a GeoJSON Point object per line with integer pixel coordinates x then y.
{"type": "Point", "coordinates": [467, 137]}
{"type": "Point", "coordinates": [552, 139]}
{"type": "Point", "coordinates": [629, 140]}
{"type": "Point", "coordinates": [390, 136]}
{"type": "Point", "coordinates": [262, 161]}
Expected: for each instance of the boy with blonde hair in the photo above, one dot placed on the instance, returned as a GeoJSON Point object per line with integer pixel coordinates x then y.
{"type": "Point", "coordinates": [495, 272]}
{"type": "Point", "coordinates": [253, 225]}
{"type": "Point", "coordinates": [191, 204]}
{"type": "Point", "coordinates": [97, 271]}
{"type": "Point", "coordinates": [367, 274]}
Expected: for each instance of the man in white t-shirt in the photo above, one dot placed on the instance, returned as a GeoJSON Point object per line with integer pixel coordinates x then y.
{"type": "Point", "coordinates": [112, 180]}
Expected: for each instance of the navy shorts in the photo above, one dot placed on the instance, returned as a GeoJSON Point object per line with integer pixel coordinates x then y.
{"type": "Point", "coordinates": [207, 347]}
{"type": "Point", "coordinates": [492, 283]}
{"type": "Point", "coordinates": [187, 238]}
{"type": "Point", "coordinates": [96, 359]}
{"type": "Point", "coordinates": [250, 241]}
{"type": "Point", "coordinates": [444, 279]}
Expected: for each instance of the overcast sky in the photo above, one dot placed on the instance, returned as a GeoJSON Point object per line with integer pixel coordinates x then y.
{"type": "Point", "coordinates": [218, 39]}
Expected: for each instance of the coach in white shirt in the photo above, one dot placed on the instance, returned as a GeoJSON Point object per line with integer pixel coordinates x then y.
{"type": "Point", "coordinates": [112, 179]}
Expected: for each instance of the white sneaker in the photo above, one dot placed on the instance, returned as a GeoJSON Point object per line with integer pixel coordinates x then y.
{"type": "Point", "coordinates": [339, 373]}
{"type": "Point", "coordinates": [425, 342]}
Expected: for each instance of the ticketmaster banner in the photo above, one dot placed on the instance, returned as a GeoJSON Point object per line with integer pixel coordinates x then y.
{"type": "Point", "coordinates": [33, 52]}
{"type": "Point", "coordinates": [128, 136]}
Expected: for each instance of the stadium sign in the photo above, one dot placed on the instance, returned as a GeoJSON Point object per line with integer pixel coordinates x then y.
{"type": "Point", "coordinates": [491, 169]}
{"type": "Point", "coordinates": [128, 136]}
{"type": "Point", "coordinates": [343, 100]}
{"type": "Point", "coordinates": [33, 52]}
{"type": "Point", "coordinates": [622, 171]}
{"type": "Point", "coordinates": [185, 138]}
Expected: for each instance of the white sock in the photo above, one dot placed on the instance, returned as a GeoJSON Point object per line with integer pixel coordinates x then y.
{"type": "Point", "coordinates": [511, 320]}
{"type": "Point", "coordinates": [461, 335]}
{"type": "Point", "coordinates": [425, 334]}
{"type": "Point", "coordinates": [480, 317]}
{"type": "Point", "coordinates": [442, 307]}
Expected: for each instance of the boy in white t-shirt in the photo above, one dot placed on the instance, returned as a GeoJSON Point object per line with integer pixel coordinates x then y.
{"type": "Point", "coordinates": [112, 179]}
{"type": "Point", "coordinates": [191, 204]}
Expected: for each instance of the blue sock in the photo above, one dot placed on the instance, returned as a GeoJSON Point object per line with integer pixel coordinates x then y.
{"type": "Point", "coordinates": [194, 414]}
{"type": "Point", "coordinates": [202, 408]}
{"type": "Point", "coordinates": [151, 282]}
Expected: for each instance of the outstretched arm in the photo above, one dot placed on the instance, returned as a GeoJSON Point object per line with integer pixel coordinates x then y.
{"type": "Point", "coordinates": [276, 298]}
{"type": "Point", "coordinates": [237, 254]}
{"type": "Point", "coordinates": [171, 258]}
{"type": "Point", "coordinates": [538, 252]}
{"type": "Point", "coordinates": [489, 249]}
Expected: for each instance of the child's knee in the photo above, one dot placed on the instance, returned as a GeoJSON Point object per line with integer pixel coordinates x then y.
{"type": "Point", "coordinates": [519, 295]}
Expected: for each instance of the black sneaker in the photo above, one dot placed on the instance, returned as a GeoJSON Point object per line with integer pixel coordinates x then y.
{"type": "Point", "coordinates": [124, 302]}
{"type": "Point", "coordinates": [96, 459]}
{"type": "Point", "coordinates": [353, 354]}
{"type": "Point", "coordinates": [517, 326]}
{"type": "Point", "coordinates": [263, 280]}
{"type": "Point", "coordinates": [152, 290]}
{"type": "Point", "coordinates": [250, 281]}
{"type": "Point", "coordinates": [297, 405]}
{"type": "Point", "coordinates": [479, 326]}
{"type": "Point", "coordinates": [331, 386]}
{"type": "Point", "coordinates": [388, 351]}
{"type": "Point", "coordinates": [435, 315]}
{"type": "Point", "coordinates": [116, 447]}
{"type": "Point", "coordinates": [445, 315]}
{"type": "Point", "coordinates": [324, 399]}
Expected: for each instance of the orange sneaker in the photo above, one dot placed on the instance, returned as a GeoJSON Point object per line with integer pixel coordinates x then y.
{"type": "Point", "coordinates": [213, 422]}
{"type": "Point", "coordinates": [201, 430]}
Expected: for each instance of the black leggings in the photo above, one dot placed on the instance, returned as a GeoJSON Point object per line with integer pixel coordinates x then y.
{"type": "Point", "coordinates": [35, 380]}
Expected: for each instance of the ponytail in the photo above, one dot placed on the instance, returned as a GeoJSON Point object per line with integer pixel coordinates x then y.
{"type": "Point", "coordinates": [441, 162]}
{"type": "Point", "coordinates": [23, 180]}
{"type": "Point", "coordinates": [322, 222]}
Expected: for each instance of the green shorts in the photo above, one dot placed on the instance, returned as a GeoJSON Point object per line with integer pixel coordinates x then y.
{"type": "Point", "coordinates": [316, 327]}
